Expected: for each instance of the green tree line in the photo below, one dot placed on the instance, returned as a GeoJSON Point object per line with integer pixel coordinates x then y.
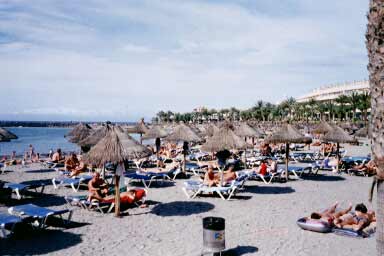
{"type": "Point", "coordinates": [353, 107]}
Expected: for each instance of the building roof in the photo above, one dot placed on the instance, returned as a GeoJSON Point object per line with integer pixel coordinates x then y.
{"type": "Point", "coordinates": [331, 92]}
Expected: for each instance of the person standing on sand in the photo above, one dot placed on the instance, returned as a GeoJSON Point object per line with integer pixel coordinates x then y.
{"type": "Point", "coordinates": [31, 151]}
{"type": "Point", "coordinates": [13, 156]}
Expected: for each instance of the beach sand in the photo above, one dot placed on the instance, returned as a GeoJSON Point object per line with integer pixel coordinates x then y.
{"type": "Point", "coordinates": [259, 221]}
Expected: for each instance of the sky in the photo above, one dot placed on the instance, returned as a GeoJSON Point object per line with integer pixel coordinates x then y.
{"type": "Point", "coordinates": [125, 59]}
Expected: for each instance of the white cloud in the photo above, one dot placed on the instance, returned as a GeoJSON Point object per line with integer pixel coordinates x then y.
{"type": "Point", "coordinates": [125, 59]}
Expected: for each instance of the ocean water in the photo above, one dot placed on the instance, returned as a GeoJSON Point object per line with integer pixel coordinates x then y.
{"type": "Point", "coordinates": [42, 139]}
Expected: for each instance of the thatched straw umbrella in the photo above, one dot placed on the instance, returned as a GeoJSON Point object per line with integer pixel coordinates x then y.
{"type": "Point", "coordinates": [156, 131]}
{"type": "Point", "coordinates": [79, 133]}
{"type": "Point", "coordinates": [185, 134]}
{"type": "Point", "coordinates": [7, 134]}
{"type": "Point", "coordinates": [211, 129]}
{"type": "Point", "coordinates": [363, 132]}
{"type": "Point", "coordinates": [245, 130]}
{"type": "Point", "coordinates": [140, 128]}
{"type": "Point", "coordinates": [200, 128]}
{"type": "Point", "coordinates": [3, 139]}
{"type": "Point", "coordinates": [322, 128]}
{"type": "Point", "coordinates": [337, 135]}
{"type": "Point", "coordinates": [287, 134]}
{"type": "Point", "coordinates": [224, 139]}
{"type": "Point", "coordinates": [116, 147]}
{"type": "Point", "coordinates": [94, 137]}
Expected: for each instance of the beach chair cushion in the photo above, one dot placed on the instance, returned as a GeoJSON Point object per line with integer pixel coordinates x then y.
{"type": "Point", "coordinates": [35, 211]}
{"type": "Point", "coordinates": [8, 220]}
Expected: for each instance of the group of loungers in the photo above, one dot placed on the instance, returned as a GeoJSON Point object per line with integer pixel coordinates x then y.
{"type": "Point", "coordinates": [31, 214]}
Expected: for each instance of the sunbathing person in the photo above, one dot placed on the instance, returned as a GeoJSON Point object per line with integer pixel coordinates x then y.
{"type": "Point", "coordinates": [272, 165]}
{"type": "Point", "coordinates": [330, 214]}
{"type": "Point", "coordinates": [371, 168]}
{"type": "Point", "coordinates": [263, 168]}
{"type": "Point", "coordinates": [360, 167]}
{"type": "Point", "coordinates": [356, 221]}
{"type": "Point", "coordinates": [229, 175]}
{"type": "Point", "coordinates": [57, 156]}
{"type": "Point", "coordinates": [81, 167]}
{"type": "Point", "coordinates": [71, 163]}
{"type": "Point", "coordinates": [129, 197]}
{"type": "Point", "coordinates": [97, 187]}
{"type": "Point", "coordinates": [210, 178]}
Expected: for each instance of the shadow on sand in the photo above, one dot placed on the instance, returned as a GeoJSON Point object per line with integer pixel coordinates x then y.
{"type": "Point", "coordinates": [154, 184]}
{"type": "Point", "coordinates": [238, 251]}
{"type": "Point", "coordinates": [181, 208]}
{"type": "Point", "coordinates": [40, 171]}
{"type": "Point", "coordinates": [38, 242]}
{"type": "Point", "coordinates": [269, 190]}
{"type": "Point", "coordinates": [43, 200]}
{"type": "Point", "coordinates": [234, 197]}
{"type": "Point", "coordinates": [323, 178]}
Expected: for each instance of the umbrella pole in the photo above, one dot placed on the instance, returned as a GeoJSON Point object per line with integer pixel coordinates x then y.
{"type": "Point", "coordinates": [117, 196]}
{"type": "Point", "coordinates": [103, 172]}
{"type": "Point", "coordinates": [245, 158]}
{"type": "Point", "coordinates": [141, 138]}
{"type": "Point", "coordinates": [184, 159]}
{"type": "Point", "coordinates": [337, 157]}
{"type": "Point", "coordinates": [286, 160]}
{"type": "Point", "coordinates": [221, 174]}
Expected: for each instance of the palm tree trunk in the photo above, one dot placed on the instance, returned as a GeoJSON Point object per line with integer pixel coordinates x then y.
{"type": "Point", "coordinates": [374, 38]}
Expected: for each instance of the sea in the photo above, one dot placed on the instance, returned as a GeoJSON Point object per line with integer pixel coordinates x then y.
{"type": "Point", "coordinates": [43, 139]}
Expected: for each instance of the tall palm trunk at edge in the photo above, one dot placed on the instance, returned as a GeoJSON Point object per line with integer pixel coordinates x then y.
{"type": "Point", "coordinates": [375, 47]}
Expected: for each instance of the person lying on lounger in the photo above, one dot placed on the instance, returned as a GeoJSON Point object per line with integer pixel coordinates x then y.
{"type": "Point", "coordinates": [213, 179]}
{"type": "Point", "coordinates": [330, 214]}
{"type": "Point", "coordinates": [57, 156]}
{"type": "Point", "coordinates": [360, 167]}
{"type": "Point", "coordinates": [210, 178]}
{"type": "Point", "coordinates": [358, 220]}
{"type": "Point", "coordinates": [128, 197]}
{"type": "Point", "coordinates": [71, 162]}
{"type": "Point", "coordinates": [263, 168]}
{"type": "Point", "coordinates": [272, 165]}
{"type": "Point", "coordinates": [371, 167]}
{"type": "Point", "coordinates": [81, 167]}
{"type": "Point", "coordinates": [229, 175]}
{"type": "Point", "coordinates": [97, 187]}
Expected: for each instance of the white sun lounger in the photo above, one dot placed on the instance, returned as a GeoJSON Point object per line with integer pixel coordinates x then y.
{"type": "Point", "coordinates": [194, 188]}
{"type": "Point", "coordinates": [39, 214]}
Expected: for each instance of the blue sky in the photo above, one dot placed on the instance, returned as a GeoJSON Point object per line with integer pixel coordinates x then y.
{"type": "Point", "coordinates": [120, 60]}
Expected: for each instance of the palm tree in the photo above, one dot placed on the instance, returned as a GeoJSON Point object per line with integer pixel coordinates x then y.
{"type": "Point", "coordinates": [331, 109]}
{"type": "Point", "coordinates": [312, 104]}
{"type": "Point", "coordinates": [374, 45]}
{"type": "Point", "coordinates": [364, 104]}
{"type": "Point", "coordinates": [342, 100]}
{"type": "Point", "coordinates": [322, 108]}
{"type": "Point", "coordinates": [354, 99]}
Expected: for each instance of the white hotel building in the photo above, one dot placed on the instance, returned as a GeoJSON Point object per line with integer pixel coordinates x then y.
{"type": "Point", "coordinates": [331, 92]}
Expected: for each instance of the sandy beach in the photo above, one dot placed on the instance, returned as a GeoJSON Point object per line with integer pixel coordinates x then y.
{"type": "Point", "coordinates": [261, 220]}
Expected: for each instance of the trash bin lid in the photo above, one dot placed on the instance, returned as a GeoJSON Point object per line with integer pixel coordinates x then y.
{"type": "Point", "coordinates": [214, 223]}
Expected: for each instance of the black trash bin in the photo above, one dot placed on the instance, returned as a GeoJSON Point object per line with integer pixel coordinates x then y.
{"type": "Point", "coordinates": [213, 234]}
